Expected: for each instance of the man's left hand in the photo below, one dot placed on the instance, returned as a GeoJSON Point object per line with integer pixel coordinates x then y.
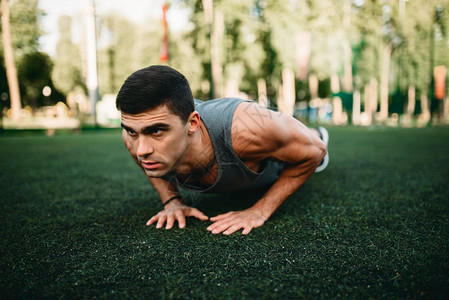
{"type": "Point", "coordinates": [235, 220]}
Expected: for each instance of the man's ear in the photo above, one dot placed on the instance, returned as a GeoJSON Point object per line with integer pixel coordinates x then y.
{"type": "Point", "coordinates": [194, 122]}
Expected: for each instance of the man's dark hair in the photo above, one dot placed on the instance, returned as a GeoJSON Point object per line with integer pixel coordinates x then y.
{"type": "Point", "coordinates": [154, 86]}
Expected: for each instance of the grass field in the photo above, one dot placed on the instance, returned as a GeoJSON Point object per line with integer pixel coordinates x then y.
{"type": "Point", "coordinates": [375, 224]}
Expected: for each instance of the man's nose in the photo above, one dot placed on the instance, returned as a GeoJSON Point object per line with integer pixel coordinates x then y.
{"type": "Point", "coordinates": [144, 147]}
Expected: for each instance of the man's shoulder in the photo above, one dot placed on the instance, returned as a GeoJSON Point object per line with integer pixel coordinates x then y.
{"type": "Point", "coordinates": [257, 131]}
{"type": "Point", "coordinates": [218, 113]}
{"type": "Point", "coordinates": [219, 102]}
{"type": "Point", "coordinates": [256, 118]}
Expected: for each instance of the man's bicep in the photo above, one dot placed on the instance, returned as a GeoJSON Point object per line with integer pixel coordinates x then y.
{"type": "Point", "coordinates": [288, 140]}
{"type": "Point", "coordinates": [301, 146]}
{"type": "Point", "coordinates": [259, 133]}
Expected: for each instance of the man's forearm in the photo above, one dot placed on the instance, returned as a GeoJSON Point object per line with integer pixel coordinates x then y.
{"type": "Point", "coordinates": [165, 189]}
{"type": "Point", "coordinates": [290, 180]}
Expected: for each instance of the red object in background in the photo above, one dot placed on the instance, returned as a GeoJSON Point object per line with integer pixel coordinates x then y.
{"type": "Point", "coordinates": [439, 73]}
{"type": "Point", "coordinates": [164, 47]}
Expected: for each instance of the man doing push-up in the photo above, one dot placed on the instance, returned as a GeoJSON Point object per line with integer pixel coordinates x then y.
{"type": "Point", "coordinates": [217, 146]}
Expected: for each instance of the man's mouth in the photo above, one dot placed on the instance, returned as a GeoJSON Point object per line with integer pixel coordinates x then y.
{"type": "Point", "coordinates": [150, 165]}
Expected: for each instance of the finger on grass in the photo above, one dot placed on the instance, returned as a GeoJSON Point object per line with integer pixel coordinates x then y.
{"type": "Point", "coordinates": [221, 227]}
{"type": "Point", "coordinates": [161, 221]}
{"type": "Point", "coordinates": [170, 222]}
{"type": "Point", "coordinates": [247, 230]}
{"type": "Point", "coordinates": [232, 229]}
{"type": "Point", "coordinates": [181, 219]}
{"type": "Point", "coordinates": [152, 220]}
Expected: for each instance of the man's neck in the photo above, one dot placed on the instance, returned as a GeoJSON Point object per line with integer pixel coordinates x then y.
{"type": "Point", "coordinates": [199, 155]}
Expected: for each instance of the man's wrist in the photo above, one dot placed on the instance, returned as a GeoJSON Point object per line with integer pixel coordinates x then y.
{"type": "Point", "coordinates": [176, 197]}
{"type": "Point", "coordinates": [266, 214]}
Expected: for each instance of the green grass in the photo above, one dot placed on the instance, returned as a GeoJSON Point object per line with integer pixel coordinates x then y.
{"type": "Point", "coordinates": [375, 224]}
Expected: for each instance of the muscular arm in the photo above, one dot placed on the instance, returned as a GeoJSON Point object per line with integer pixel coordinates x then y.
{"type": "Point", "coordinates": [259, 134]}
{"type": "Point", "coordinates": [302, 151]}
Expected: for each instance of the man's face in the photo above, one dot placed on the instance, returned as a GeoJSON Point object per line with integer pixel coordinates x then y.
{"type": "Point", "coordinates": [157, 137]}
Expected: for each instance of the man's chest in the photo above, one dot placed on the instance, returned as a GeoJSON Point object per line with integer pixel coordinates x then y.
{"type": "Point", "coordinates": [210, 177]}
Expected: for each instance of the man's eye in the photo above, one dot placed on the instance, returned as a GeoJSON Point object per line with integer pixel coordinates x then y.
{"type": "Point", "coordinates": [157, 131]}
{"type": "Point", "coordinates": [132, 132]}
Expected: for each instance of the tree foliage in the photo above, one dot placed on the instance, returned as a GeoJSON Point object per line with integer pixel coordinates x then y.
{"type": "Point", "coordinates": [34, 71]}
{"type": "Point", "coordinates": [34, 67]}
{"type": "Point", "coordinates": [259, 40]}
{"type": "Point", "coordinates": [67, 72]}
{"type": "Point", "coordinates": [26, 30]}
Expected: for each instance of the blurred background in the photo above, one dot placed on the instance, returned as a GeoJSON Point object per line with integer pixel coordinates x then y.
{"type": "Point", "coordinates": [341, 62]}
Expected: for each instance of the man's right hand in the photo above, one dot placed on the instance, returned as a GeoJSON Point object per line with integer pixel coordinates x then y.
{"type": "Point", "coordinates": [175, 211]}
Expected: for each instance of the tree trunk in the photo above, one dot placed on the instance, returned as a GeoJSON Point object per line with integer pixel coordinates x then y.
{"type": "Point", "coordinates": [370, 101]}
{"type": "Point", "coordinates": [367, 99]}
{"type": "Point", "coordinates": [232, 88]}
{"type": "Point", "coordinates": [280, 100]}
{"type": "Point", "coordinates": [446, 111]}
{"type": "Point", "coordinates": [288, 83]}
{"type": "Point", "coordinates": [11, 72]}
{"type": "Point", "coordinates": [407, 119]}
{"type": "Point", "coordinates": [215, 39]}
{"type": "Point", "coordinates": [234, 75]}
{"type": "Point", "coordinates": [425, 115]}
{"type": "Point", "coordinates": [373, 99]}
{"type": "Point", "coordinates": [303, 53]}
{"type": "Point", "coordinates": [356, 108]}
{"type": "Point", "coordinates": [384, 82]}
{"type": "Point", "coordinates": [262, 91]}
{"type": "Point", "coordinates": [347, 76]}
{"type": "Point", "coordinates": [216, 31]}
{"type": "Point", "coordinates": [313, 86]}
{"type": "Point", "coordinates": [92, 71]}
{"type": "Point", "coordinates": [337, 114]}
{"type": "Point", "coordinates": [411, 100]}
{"type": "Point", "coordinates": [347, 51]}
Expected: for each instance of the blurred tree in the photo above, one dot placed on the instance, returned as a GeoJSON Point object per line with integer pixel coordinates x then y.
{"type": "Point", "coordinates": [184, 58]}
{"type": "Point", "coordinates": [207, 40]}
{"type": "Point", "coordinates": [199, 39]}
{"type": "Point", "coordinates": [26, 30]}
{"type": "Point", "coordinates": [125, 46]}
{"type": "Point", "coordinates": [413, 56]}
{"type": "Point", "coordinates": [225, 37]}
{"type": "Point", "coordinates": [329, 24]}
{"type": "Point", "coordinates": [391, 40]}
{"type": "Point", "coordinates": [34, 71]}
{"type": "Point", "coordinates": [243, 52]}
{"type": "Point", "coordinates": [10, 62]}
{"type": "Point", "coordinates": [67, 74]}
{"type": "Point", "coordinates": [441, 33]}
{"type": "Point", "coordinates": [284, 19]}
{"type": "Point", "coordinates": [377, 26]}
{"type": "Point", "coordinates": [365, 42]}
{"type": "Point", "coordinates": [25, 33]}
{"type": "Point", "coordinates": [367, 24]}
{"type": "Point", "coordinates": [397, 46]}
{"type": "Point", "coordinates": [119, 51]}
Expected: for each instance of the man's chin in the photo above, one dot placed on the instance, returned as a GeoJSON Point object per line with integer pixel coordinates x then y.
{"type": "Point", "coordinates": [155, 173]}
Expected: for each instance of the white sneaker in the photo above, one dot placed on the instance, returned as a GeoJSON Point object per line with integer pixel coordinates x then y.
{"type": "Point", "coordinates": [325, 138]}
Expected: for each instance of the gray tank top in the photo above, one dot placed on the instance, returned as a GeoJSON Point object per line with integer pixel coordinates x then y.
{"type": "Point", "coordinates": [233, 174]}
